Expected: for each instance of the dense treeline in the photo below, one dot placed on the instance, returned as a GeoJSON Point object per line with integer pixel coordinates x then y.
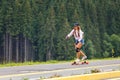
{"type": "Point", "coordinates": [35, 30]}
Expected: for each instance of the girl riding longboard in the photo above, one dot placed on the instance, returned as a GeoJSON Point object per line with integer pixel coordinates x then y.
{"type": "Point", "coordinates": [79, 42]}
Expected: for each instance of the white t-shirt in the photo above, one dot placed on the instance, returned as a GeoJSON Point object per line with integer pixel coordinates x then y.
{"type": "Point", "coordinates": [75, 33]}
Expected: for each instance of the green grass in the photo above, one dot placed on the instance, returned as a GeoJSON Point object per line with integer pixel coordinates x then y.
{"type": "Point", "coordinates": [111, 58]}
{"type": "Point", "coordinates": [17, 64]}
{"type": "Point", "coordinates": [48, 62]}
{"type": "Point", "coordinates": [30, 63]}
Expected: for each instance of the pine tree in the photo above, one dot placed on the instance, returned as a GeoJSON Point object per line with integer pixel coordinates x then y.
{"type": "Point", "coordinates": [27, 27]}
{"type": "Point", "coordinates": [49, 28]}
{"type": "Point", "coordinates": [90, 50]}
{"type": "Point", "coordinates": [115, 40]}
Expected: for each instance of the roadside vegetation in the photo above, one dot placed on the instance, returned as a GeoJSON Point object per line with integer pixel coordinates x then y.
{"type": "Point", "coordinates": [47, 62]}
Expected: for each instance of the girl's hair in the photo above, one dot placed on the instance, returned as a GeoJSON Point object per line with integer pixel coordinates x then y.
{"type": "Point", "coordinates": [77, 28]}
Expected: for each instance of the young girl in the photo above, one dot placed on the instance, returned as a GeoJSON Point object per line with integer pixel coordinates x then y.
{"type": "Point", "coordinates": [79, 41]}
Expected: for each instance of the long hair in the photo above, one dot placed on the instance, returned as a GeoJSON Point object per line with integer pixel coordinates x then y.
{"type": "Point", "coordinates": [76, 29]}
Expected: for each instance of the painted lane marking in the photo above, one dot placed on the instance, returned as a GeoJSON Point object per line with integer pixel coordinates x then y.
{"type": "Point", "coordinates": [44, 72]}
{"type": "Point", "coordinates": [114, 79]}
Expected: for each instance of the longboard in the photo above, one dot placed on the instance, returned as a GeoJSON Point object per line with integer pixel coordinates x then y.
{"type": "Point", "coordinates": [80, 63]}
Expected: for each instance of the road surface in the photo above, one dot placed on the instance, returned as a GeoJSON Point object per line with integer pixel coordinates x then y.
{"type": "Point", "coordinates": [35, 72]}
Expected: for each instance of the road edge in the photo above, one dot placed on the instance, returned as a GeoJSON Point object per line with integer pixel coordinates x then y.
{"type": "Point", "coordinates": [93, 76]}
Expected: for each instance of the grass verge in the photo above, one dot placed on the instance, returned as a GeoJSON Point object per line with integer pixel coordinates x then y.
{"type": "Point", "coordinates": [47, 62]}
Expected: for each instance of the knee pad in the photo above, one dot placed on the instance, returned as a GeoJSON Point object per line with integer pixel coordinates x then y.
{"type": "Point", "coordinates": [77, 49]}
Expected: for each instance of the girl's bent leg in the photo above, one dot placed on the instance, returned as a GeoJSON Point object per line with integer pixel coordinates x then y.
{"type": "Point", "coordinates": [78, 55]}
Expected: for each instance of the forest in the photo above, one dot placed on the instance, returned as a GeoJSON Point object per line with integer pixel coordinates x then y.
{"type": "Point", "coordinates": [35, 30]}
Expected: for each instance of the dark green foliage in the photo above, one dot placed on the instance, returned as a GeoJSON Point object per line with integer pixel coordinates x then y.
{"type": "Point", "coordinates": [36, 29]}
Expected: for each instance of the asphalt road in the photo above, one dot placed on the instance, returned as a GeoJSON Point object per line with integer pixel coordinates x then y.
{"type": "Point", "coordinates": [35, 72]}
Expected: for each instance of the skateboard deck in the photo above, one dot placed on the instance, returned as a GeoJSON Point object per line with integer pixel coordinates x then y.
{"type": "Point", "coordinates": [80, 63]}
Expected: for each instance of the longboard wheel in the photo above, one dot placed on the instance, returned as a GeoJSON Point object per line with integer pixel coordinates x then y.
{"type": "Point", "coordinates": [84, 62]}
{"type": "Point", "coordinates": [73, 63]}
{"type": "Point", "coordinates": [87, 62]}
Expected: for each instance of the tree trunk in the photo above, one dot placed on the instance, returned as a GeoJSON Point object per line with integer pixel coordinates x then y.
{"type": "Point", "coordinates": [25, 49]}
{"type": "Point", "coordinates": [21, 48]}
{"type": "Point", "coordinates": [17, 49]}
{"type": "Point", "coordinates": [6, 48]}
{"type": "Point", "coordinates": [10, 48]}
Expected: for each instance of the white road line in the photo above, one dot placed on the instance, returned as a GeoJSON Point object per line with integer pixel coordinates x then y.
{"type": "Point", "coordinates": [34, 79]}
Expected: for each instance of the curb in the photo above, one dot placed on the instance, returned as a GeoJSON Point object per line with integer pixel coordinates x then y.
{"type": "Point", "coordinates": [94, 76]}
